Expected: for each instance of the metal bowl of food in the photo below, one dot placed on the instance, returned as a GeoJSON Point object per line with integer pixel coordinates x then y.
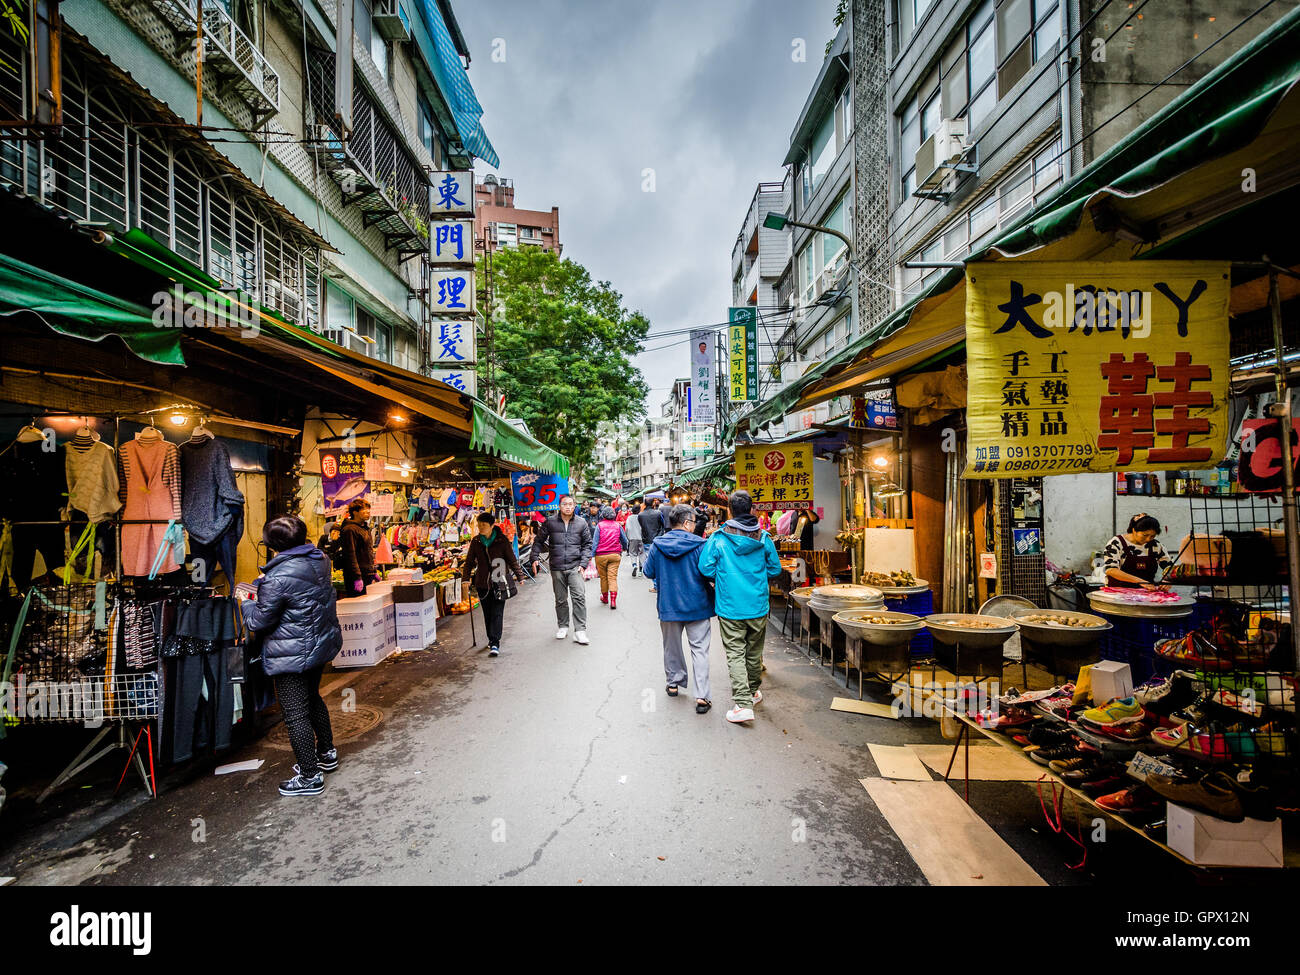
{"type": "Point", "coordinates": [880, 627]}
{"type": "Point", "coordinates": [802, 595]}
{"type": "Point", "coordinates": [971, 630]}
{"type": "Point", "coordinates": [826, 601]}
{"type": "Point", "coordinates": [1061, 628]}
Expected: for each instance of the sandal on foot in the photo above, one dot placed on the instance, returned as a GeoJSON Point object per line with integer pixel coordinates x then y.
{"type": "Point", "coordinates": [672, 690]}
{"type": "Point", "coordinates": [702, 707]}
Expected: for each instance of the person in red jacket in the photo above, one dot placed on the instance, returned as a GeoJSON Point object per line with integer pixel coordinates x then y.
{"type": "Point", "coordinates": [608, 543]}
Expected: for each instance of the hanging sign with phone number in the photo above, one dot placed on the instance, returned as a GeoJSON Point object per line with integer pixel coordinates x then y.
{"type": "Point", "coordinates": [535, 491]}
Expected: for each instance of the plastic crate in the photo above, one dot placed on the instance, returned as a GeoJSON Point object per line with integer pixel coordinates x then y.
{"type": "Point", "coordinates": [1133, 641]}
{"type": "Point", "coordinates": [918, 604]}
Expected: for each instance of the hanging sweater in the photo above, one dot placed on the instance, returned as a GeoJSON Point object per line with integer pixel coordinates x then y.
{"type": "Point", "coordinates": [92, 480]}
{"type": "Point", "coordinates": [211, 502]}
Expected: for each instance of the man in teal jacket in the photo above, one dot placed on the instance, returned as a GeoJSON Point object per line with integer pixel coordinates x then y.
{"type": "Point", "coordinates": [740, 559]}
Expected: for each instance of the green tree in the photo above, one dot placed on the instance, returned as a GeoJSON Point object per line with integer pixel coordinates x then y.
{"type": "Point", "coordinates": [563, 349]}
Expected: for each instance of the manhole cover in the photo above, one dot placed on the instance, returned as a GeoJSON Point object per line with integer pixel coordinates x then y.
{"type": "Point", "coordinates": [346, 725]}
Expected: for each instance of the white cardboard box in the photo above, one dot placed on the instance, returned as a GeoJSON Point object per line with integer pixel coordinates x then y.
{"type": "Point", "coordinates": [1111, 679]}
{"type": "Point", "coordinates": [364, 623]}
{"type": "Point", "coordinates": [1208, 840]}
{"type": "Point", "coordinates": [417, 624]}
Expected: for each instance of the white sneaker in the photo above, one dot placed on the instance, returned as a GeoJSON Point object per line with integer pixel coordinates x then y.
{"type": "Point", "coordinates": [561, 633]}
{"type": "Point", "coordinates": [758, 697]}
{"type": "Point", "coordinates": [581, 637]}
{"type": "Point", "coordinates": [737, 715]}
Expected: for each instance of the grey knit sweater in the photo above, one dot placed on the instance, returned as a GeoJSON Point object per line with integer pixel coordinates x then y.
{"type": "Point", "coordinates": [211, 502]}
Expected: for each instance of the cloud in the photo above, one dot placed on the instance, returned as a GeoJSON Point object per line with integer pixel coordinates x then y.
{"type": "Point", "coordinates": [592, 94]}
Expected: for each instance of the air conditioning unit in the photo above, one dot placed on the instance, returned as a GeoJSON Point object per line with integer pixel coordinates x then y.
{"type": "Point", "coordinates": [392, 21]}
{"type": "Point", "coordinates": [548, 230]}
{"type": "Point", "coordinates": [940, 154]}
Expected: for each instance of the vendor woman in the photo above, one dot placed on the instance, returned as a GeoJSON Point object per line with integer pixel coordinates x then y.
{"type": "Point", "coordinates": [1135, 559]}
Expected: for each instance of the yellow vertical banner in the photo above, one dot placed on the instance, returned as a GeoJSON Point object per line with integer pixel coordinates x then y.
{"type": "Point", "coordinates": [777, 477]}
{"type": "Point", "coordinates": [1089, 366]}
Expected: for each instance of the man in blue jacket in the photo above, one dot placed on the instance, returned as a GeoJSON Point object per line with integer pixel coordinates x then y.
{"type": "Point", "coordinates": [740, 559]}
{"type": "Point", "coordinates": [684, 603]}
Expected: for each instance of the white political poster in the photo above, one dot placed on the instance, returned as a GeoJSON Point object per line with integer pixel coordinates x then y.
{"type": "Point", "coordinates": [704, 394]}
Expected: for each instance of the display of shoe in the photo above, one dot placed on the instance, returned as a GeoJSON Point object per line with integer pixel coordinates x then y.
{"type": "Point", "coordinates": [1049, 734]}
{"type": "Point", "coordinates": [1045, 756]}
{"type": "Point", "coordinates": [1089, 771]}
{"type": "Point", "coordinates": [1160, 696]}
{"type": "Point", "coordinates": [1212, 794]}
{"type": "Point", "coordinates": [1103, 784]}
{"type": "Point", "coordinates": [1137, 731]}
{"type": "Point", "coordinates": [1074, 764]}
{"type": "Point", "coordinates": [1194, 713]}
{"type": "Point", "coordinates": [1207, 744]}
{"type": "Point", "coordinates": [1122, 710]}
{"type": "Point", "coordinates": [1134, 800]}
{"type": "Point", "coordinates": [1012, 718]}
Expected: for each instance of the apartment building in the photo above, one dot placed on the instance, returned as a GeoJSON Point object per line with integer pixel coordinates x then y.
{"type": "Point", "coordinates": [816, 284]}
{"type": "Point", "coordinates": [499, 223]}
{"type": "Point", "coordinates": [304, 186]}
{"type": "Point", "coordinates": [994, 103]}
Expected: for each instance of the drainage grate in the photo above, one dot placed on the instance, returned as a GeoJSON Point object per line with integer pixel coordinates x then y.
{"type": "Point", "coordinates": [346, 725]}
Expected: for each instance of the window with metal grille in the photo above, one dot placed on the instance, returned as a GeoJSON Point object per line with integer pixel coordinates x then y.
{"type": "Point", "coordinates": [187, 211]}
{"type": "Point", "coordinates": [153, 189]}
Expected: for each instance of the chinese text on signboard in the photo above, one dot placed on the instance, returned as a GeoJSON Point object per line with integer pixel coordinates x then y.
{"type": "Point", "coordinates": [742, 354]}
{"type": "Point", "coordinates": [778, 478]}
{"type": "Point", "coordinates": [703, 385]}
{"type": "Point", "coordinates": [1086, 366]}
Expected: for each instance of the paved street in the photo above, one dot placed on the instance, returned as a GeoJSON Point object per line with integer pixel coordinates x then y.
{"type": "Point", "coordinates": [552, 764]}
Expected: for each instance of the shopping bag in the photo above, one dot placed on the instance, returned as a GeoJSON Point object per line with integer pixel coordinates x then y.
{"type": "Point", "coordinates": [590, 571]}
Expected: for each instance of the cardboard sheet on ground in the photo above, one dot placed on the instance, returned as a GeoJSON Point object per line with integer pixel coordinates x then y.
{"type": "Point", "coordinates": [897, 762]}
{"type": "Point", "coordinates": [948, 840]}
{"type": "Point", "coordinates": [988, 762]}
{"type": "Point", "coordinates": [863, 707]}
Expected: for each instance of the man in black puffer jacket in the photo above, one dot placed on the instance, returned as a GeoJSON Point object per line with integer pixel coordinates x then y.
{"type": "Point", "coordinates": [567, 537]}
{"type": "Point", "coordinates": [295, 616]}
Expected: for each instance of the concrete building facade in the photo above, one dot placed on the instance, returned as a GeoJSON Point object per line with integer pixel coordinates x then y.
{"type": "Point", "coordinates": [499, 223]}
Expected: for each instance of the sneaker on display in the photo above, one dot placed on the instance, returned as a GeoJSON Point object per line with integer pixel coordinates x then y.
{"type": "Point", "coordinates": [561, 633]}
{"type": "Point", "coordinates": [1136, 799]}
{"type": "Point", "coordinates": [1122, 710]}
{"type": "Point", "coordinates": [1213, 794]}
{"type": "Point", "coordinates": [1052, 753]}
{"type": "Point", "coordinates": [581, 637]}
{"type": "Point", "coordinates": [300, 785]}
{"type": "Point", "coordinates": [737, 715]}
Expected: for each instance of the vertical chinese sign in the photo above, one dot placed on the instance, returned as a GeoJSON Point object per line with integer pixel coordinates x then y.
{"type": "Point", "coordinates": [1087, 366]}
{"type": "Point", "coordinates": [742, 354]}
{"type": "Point", "coordinates": [451, 281]}
{"type": "Point", "coordinates": [778, 478]}
{"type": "Point", "coordinates": [704, 391]}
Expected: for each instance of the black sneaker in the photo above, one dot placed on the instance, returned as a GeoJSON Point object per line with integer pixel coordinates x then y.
{"type": "Point", "coordinates": [494, 651]}
{"type": "Point", "coordinates": [1054, 753]}
{"type": "Point", "coordinates": [1048, 735]}
{"type": "Point", "coordinates": [301, 786]}
{"type": "Point", "coordinates": [328, 761]}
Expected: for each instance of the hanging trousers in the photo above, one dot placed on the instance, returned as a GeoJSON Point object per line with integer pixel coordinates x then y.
{"type": "Point", "coordinates": [219, 552]}
{"type": "Point", "coordinates": [202, 721]}
{"type": "Point", "coordinates": [306, 717]}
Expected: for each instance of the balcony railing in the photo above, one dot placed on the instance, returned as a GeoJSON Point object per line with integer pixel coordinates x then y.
{"type": "Point", "coordinates": [228, 53]}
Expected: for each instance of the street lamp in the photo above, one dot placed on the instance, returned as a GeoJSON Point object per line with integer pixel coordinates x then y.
{"type": "Point", "coordinates": [779, 221]}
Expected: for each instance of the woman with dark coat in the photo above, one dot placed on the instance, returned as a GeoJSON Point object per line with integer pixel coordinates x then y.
{"type": "Point", "coordinates": [487, 559]}
{"type": "Point", "coordinates": [356, 550]}
{"type": "Point", "coordinates": [295, 616]}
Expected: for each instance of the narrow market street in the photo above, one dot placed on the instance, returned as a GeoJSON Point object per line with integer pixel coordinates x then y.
{"type": "Point", "coordinates": [560, 764]}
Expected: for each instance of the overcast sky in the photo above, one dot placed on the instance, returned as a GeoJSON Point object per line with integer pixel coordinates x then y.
{"type": "Point", "coordinates": [591, 93]}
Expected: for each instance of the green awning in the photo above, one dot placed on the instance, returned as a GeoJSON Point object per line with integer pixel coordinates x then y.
{"type": "Point", "coordinates": [599, 492]}
{"type": "Point", "coordinates": [82, 312]}
{"type": "Point", "coordinates": [495, 435]}
{"type": "Point", "coordinates": [721, 467]}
